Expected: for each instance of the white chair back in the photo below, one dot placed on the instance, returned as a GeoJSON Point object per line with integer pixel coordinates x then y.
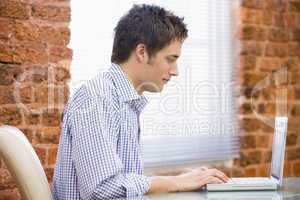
{"type": "Point", "coordinates": [23, 164]}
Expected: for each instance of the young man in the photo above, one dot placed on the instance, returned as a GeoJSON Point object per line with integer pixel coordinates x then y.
{"type": "Point", "coordinates": [99, 154]}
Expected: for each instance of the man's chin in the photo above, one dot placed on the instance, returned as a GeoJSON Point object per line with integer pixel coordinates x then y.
{"type": "Point", "coordinates": [155, 89]}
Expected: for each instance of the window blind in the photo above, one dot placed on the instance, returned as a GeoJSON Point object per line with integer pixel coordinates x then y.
{"type": "Point", "coordinates": [192, 120]}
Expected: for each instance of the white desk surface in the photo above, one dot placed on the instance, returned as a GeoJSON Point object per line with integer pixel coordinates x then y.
{"type": "Point", "coordinates": [290, 191]}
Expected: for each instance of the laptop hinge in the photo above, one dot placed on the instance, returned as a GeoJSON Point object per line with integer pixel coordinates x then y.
{"type": "Point", "coordinates": [276, 180]}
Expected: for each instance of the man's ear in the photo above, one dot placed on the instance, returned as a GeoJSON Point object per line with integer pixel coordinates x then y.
{"type": "Point", "coordinates": [141, 53]}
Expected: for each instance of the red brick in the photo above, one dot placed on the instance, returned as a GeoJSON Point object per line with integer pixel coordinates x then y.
{"type": "Point", "coordinates": [26, 31]}
{"type": "Point", "coordinates": [267, 109]}
{"type": "Point", "coordinates": [287, 169]}
{"type": "Point", "coordinates": [251, 48]}
{"type": "Point", "coordinates": [6, 53]}
{"type": "Point", "coordinates": [271, 5]}
{"type": "Point", "coordinates": [10, 194]}
{"type": "Point", "coordinates": [296, 168]}
{"type": "Point", "coordinates": [10, 115]}
{"type": "Point", "coordinates": [294, 6]}
{"type": "Point", "coordinates": [61, 74]}
{"type": "Point", "coordinates": [251, 79]}
{"type": "Point", "coordinates": [14, 9]}
{"type": "Point", "coordinates": [57, 36]}
{"type": "Point", "coordinates": [251, 158]}
{"type": "Point", "coordinates": [276, 50]}
{"type": "Point", "coordinates": [32, 118]}
{"type": "Point", "coordinates": [280, 80]}
{"type": "Point", "coordinates": [237, 172]}
{"type": "Point", "coordinates": [263, 141]}
{"type": "Point", "coordinates": [257, 4]}
{"type": "Point", "coordinates": [267, 17]}
{"type": "Point", "coordinates": [268, 94]}
{"type": "Point", "coordinates": [279, 20]}
{"type": "Point", "coordinates": [248, 62]}
{"type": "Point", "coordinates": [6, 26]}
{"type": "Point", "coordinates": [51, 117]}
{"type": "Point", "coordinates": [11, 95]}
{"type": "Point", "coordinates": [295, 110]}
{"type": "Point", "coordinates": [6, 96]}
{"type": "Point", "coordinates": [246, 108]}
{"type": "Point", "coordinates": [297, 20]}
{"type": "Point", "coordinates": [293, 153]}
{"type": "Point", "coordinates": [51, 159]}
{"type": "Point", "coordinates": [263, 170]}
{"type": "Point", "coordinates": [248, 92]}
{"type": "Point", "coordinates": [52, 94]}
{"type": "Point", "coordinates": [267, 156]}
{"type": "Point", "coordinates": [294, 49]}
{"type": "Point", "coordinates": [49, 173]}
{"type": "Point", "coordinates": [250, 125]}
{"type": "Point", "coordinates": [296, 34]}
{"type": "Point", "coordinates": [30, 53]}
{"type": "Point", "coordinates": [294, 79]}
{"type": "Point", "coordinates": [41, 152]}
{"type": "Point", "coordinates": [269, 64]}
{"type": "Point", "coordinates": [29, 133]}
{"type": "Point", "coordinates": [6, 180]}
{"type": "Point", "coordinates": [292, 64]}
{"type": "Point", "coordinates": [278, 35]}
{"type": "Point", "coordinates": [290, 20]}
{"type": "Point", "coordinates": [51, 1]}
{"type": "Point", "coordinates": [51, 13]}
{"type": "Point", "coordinates": [250, 16]}
{"type": "Point", "coordinates": [248, 141]}
{"type": "Point", "coordinates": [291, 139]}
{"type": "Point", "coordinates": [58, 53]}
{"type": "Point", "coordinates": [37, 73]}
{"type": "Point", "coordinates": [9, 73]}
{"type": "Point", "coordinates": [293, 124]}
{"type": "Point", "coordinates": [249, 32]}
{"type": "Point", "coordinates": [297, 93]}
{"type": "Point", "coordinates": [26, 94]}
{"type": "Point", "coordinates": [250, 172]}
{"type": "Point", "coordinates": [48, 135]}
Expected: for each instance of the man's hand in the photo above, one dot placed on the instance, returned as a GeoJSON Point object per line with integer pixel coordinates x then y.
{"type": "Point", "coordinates": [191, 180]}
{"type": "Point", "coordinates": [199, 177]}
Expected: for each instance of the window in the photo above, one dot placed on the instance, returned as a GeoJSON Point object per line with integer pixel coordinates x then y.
{"type": "Point", "coordinates": [193, 118]}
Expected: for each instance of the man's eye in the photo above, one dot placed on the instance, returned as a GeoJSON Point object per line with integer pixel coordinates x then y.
{"type": "Point", "coordinates": [170, 60]}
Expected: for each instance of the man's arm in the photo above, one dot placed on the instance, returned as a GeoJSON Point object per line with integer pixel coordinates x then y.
{"type": "Point", "coordinates": [99, 170]}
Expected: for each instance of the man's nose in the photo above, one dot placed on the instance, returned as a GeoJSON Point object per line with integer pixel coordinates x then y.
{"type": "Point", "coordinates": [174, 70]}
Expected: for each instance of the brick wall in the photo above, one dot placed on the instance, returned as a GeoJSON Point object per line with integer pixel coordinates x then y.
{"type": "Point", "coordinates": [34, 72]}
{"type": "Point", "coordinates": [269, 34]}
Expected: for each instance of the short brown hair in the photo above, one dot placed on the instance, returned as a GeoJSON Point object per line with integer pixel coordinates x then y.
{"type": "Point", "coordinates": [148, 24]}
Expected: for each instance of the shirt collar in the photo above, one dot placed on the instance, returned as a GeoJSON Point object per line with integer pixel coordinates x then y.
{"type": "Point", "coordinates": [125, 89]}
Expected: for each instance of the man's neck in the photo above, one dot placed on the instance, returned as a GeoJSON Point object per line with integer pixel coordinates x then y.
{"type": "Point", "coordinates": [130, 70]}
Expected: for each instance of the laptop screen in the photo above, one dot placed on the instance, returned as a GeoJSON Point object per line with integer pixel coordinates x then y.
{"type": "Point", "coordinates": [278, 149]}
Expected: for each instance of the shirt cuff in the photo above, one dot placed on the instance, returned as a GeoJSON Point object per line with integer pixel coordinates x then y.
{"type": "Point", "coordinates": [136, 185]}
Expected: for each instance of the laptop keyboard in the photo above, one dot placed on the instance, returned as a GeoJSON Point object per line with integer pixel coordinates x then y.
{"type": "Point", "coordinates": [252, 180]}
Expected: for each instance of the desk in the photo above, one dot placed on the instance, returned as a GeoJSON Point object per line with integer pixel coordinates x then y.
{"type": "Point", "coordinates": [290, 191]}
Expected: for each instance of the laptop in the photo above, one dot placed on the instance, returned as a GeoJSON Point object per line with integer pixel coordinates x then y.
{"type": "Point", "coordinates": [276, 175]}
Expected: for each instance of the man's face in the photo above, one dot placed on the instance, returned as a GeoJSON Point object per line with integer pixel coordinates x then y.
{"type": "Point", "coordinates": [159, 69]}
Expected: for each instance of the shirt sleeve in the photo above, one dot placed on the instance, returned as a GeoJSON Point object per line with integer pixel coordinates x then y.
{"type": "Point", "coordinates": [99, 170]}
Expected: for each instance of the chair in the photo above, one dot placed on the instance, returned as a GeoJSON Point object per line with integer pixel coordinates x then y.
{"type": "Point", "coordinates": [23, 164]}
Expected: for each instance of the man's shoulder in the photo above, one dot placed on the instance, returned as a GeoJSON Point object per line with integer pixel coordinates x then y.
{"type": "Point", "coordinates": [100, 87]}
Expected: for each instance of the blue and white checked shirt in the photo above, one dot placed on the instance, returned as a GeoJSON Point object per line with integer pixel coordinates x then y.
{"type": "Point", "coordinates": [99, 155]}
